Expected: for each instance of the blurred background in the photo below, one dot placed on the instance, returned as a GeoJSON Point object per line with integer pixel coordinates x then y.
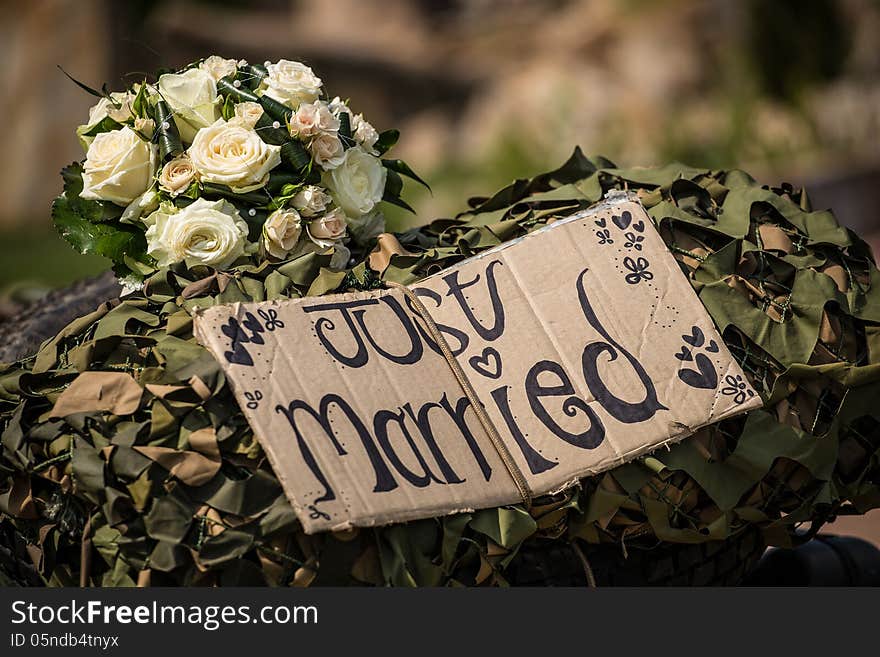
{"type": "Point", "coordinates": [483, 91]}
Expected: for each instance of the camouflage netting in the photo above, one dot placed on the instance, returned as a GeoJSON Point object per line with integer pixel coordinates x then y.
{"type": "Point", "coordinates": [179, 492]}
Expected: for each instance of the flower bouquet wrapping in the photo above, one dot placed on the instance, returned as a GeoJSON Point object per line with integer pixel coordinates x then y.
{"type": "Point", "coordinates": [228, 182]}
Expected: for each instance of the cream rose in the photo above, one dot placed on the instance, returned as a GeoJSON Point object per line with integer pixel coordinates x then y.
{"type": "Point", "coordinates": [234, 155]}
{"type": "Point", "coordinates": [218, 67]}
{"type": "Point", "coordinates": [327, 150]}
{"type": "Point", "coordinates": [177, 175]}
{"type": "Point", "coordinates": [203, 233]}
{"type": "Point", "coordinates": [291, 83]}
{"type": "Point", "coordinates": [338, 106]}
{"type": "Point", "coordinates": [248, 113]}
{"type": "Point", "coordinates": [311, 119]}
{"type": "Point", "coordinates": [146, 127]}
{"type": "Point", "coordinates": [328, 229]}
{"type": "Point", "coordinates": [117, 107]}
{"type": "Point", "coordinates": [192, 96]}
{"type": "Point", "coordinates": [311, 200]}
{"type": "Point", "coordinates": [364, 134]}
{"type": "Point", "coordinates": [358, 183]}
{"type": "Point", "coordinates": [281, 232]}
{"type": "Point", "coordinates": [119, 167]}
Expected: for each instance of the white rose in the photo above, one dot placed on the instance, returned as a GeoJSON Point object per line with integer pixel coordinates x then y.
{"type": "Point", "coordinates": [248, 113]}
{"type": "Point", "coordinates": [311, 119]}
{"type": "Point", "coordinates": [281, 232]}
{"type": "Point", "coordinates": [177, 175]}
{"type": "Point", "coordinates": [327, 149]}
{"type": "Point", "coordinates": [291, 83]}
{"type": "Point", "coordinates": [119, 167]}
{"type": "Point", "coordinates": [192, 97]}
{"type": "Point", "coordinates": [146, 127]}
{"type": "Point", "coordinates": [203, 233]}
{"type": "Point", "coordinates": [234, 155]}
{"type": "Point", "coordinates": [328, 229]}
{"type": "Point", "coordinates": [358, 183]}
{"type": "Point", "coordinates": [364, 133]}
{"type": "Point", "coordinates": [337, 106]}
{"type": "Point", "coordinates": [218, 67]}
{"type": "Point", "coordinates": [117, 107]}
{"type": "Point", "coordinates": [311, 200]}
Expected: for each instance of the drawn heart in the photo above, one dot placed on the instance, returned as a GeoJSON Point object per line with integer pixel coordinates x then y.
{"type": "Point", "coordinates": [696, 338]}
{"type": "Point", "coordinates": [639, 226]}
{"type": "Point", "coordinates": [706, 378]}
{"type": "Point", "coordinates": [713, 347]}
{"type": "Point", "coordinates": [623, 221]}
{"type": "Point", "coordinates": [684, 354]}
{"type": "Point", "coordinates": [482, 363]}
{"type": "Point", "coordinates": [601, 223]}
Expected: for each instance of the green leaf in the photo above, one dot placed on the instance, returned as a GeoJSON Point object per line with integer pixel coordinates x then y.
{"type": "Point", "coordinates": [83, 223]}
{"type": "Point", "coordinates": [168, 137]}
{"type": "Point", "coordinates": [140, 104]}
{"type": "Point", "coordinates": [393, 184]}
{"type": "Point", "coordinates": [113, 241]}
{"type": "Point", "coordinates": [228, 109]}
{"type": "Point", "coordinates": [252, 74]}
{"type": "Point", "coordinates": [256, 197]}
{"type": "Point", "coordinates": [73, 186]}
{"type": "Point", "coordinates": [387, 140]}
{"type": "Point", "coordinates": [283, 193]}
{"type": "Point", "coordinates": [278, 111]}
{"type": "Point", "coordinates": [269, 133]}
{"type": "Point", "coordinates": [278, 180]}
{"type": "Point", "coordinates": [241, 94]}
{"type": "Point", "coordinates": [403, 168]}
{"type": "Point", "coordinates": [104, 125]}
{"type": "Point", "coordinates": [345, 130]}
{"type": "Point", "coordinates": [295, 154]}
{"type": "Point", "coordinates": [99, 94]}
{"type": "Point", "coordinates": [399, 202]}
{"type": "Point", "coordinates": [192, 191]}
{"type": "Point", "coordinates": [312, 175]}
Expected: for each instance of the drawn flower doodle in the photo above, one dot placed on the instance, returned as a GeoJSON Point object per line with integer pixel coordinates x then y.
{"type": "Point", "coordinates": [736, 388]}
{"type": "Point", "coordinates": [638, 270]}
{"type": "Point", "coordinates": [633, 241]}
{"type": "Point", "coordinates": [604, 236]}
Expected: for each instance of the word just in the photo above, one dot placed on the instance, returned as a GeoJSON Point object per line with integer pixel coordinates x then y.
{"type": "Point", "coordinates": [342, 328]}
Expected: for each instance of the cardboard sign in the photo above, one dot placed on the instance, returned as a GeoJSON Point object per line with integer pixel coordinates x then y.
{"type": "Point", "coordinates": [584, 342]}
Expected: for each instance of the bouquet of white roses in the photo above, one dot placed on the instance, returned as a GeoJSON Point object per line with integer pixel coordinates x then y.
{"type": "Point", "coordinates": [222, 161]}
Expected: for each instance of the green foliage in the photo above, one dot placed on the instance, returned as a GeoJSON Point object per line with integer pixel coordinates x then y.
{"type": "Point", "coordinates": [167, 134]}
{"type": "Point", "coordinates": [403, 168]}
{"type": "Point", "coordinates": [265, 127]}
{"type": "Point", "coordinates": [227, 110]}
{"type": "Point", "coordinates": [83, 224]}
{"type": "Point", "coordinates": [386, 140]}
{"type": "Point", "coordinates": [104, 93]}
{"type": "Point", "coordinates": [345, 130]}
{"type": "Point", "coordinates": [140, 105]}
{"type": "Point", "coordinates": [104, 125]}
{"type": "Point", "coordinates": [294, 154]}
